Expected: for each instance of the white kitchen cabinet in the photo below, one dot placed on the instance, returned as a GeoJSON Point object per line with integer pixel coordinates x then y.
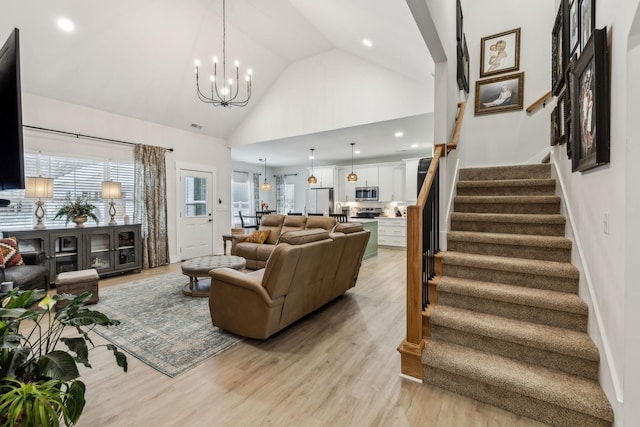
{"type": "Point", "coordinates": [367, 177]}
{"type": "Point", "coordinates": [346, 191]}
{"type": "Point", "coordinates": [392, 232]}
{"type": "Point", "coordinates": [391, 183]}
{"type": "Point", "coordinates": [324, 175]}
{"type": "Point", "coordinates": [398, 184]}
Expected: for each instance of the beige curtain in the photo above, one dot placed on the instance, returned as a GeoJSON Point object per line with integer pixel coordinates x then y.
{"type": "Point", "coordinates": [150, 207]}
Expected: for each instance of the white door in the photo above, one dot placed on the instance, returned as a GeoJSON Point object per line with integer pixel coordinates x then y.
{"type": "Point", "coordinates": [196, 213]}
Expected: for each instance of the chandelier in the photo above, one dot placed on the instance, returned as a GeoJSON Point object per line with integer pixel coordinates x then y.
{"type": "Point", "coordinates": [312, 179]}
{"type": "Point", "coordinates": [265, 185]}
{"type": "Point", "coordinates": [222, 92]}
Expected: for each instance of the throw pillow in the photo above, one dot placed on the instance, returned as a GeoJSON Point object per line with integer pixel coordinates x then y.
{"type": "Point", "coordinates": [9, 252]}
{"type": "Point", "coordinates": [258, 236]}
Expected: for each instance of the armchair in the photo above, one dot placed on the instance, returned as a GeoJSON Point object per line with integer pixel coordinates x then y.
{"type": "Point", "coordinates": [32, 275]}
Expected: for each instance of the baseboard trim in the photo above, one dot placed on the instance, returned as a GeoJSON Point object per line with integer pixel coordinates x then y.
{"type": "Point", "coordinates": [410, 378]}
{"type": "Point", "coordinates": [606, 348]}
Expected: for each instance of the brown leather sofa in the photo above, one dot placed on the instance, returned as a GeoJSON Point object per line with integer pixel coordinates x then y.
{"type": "Point", "coordinates": [307, 269]}
{"type": "Point", "coordinates": [32, 275]}
{"type": "Point", "coordinates": [257, 254]}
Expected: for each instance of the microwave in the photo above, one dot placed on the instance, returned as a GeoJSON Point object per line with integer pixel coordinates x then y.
{"type": "Point", "coordinates": [364, 194]}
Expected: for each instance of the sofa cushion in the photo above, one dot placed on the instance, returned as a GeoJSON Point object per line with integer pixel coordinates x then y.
{"type": "Point", "coordinates": [246, 250]}
{"type": "Point", "coordinates": [292, 223]}
{"type": "Point", "coordinates": [9, 253]}
{"type": "Point", "coordinates": [273, 223]}
{"type": "Point", "coordinates": [348, 227]}
{"type": "Point", "coordinates": [303, 236]}
{"type": "Point", "coordinates": [323, 222]}
{"type": "Point", "coordinates": [258, 236]}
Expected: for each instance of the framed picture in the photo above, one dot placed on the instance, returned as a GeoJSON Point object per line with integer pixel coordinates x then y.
{"type": "Point", "coordinates": [463, 65]}
{"type": "Point", "coordinates": [559, 56]}
{"type": "Point", "coordinates": [498, 94]}
{"type": "Point", "coordinates": [500, 53]}
{"type": "Point", "coordinates": [66, 244]}
{"type": "Point", "coordinates": [562, 118]}
{"type": "Point", "coordinates": [554, 126]}
{"type": "Point", "coordinates": [569, 79]}
{"type": "Point", "coordinates": [574, 26]}
{"type": "Point", "coordinates": [587, 21]}
{"type": "Point", "coordinates": [590, 105]}
{"type": "Point", "coordinates": [459, 17]}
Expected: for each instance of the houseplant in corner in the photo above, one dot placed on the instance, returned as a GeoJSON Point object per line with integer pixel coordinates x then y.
{"type": "Point", "coordinates": [78, 211]}
{"type": "Point", "coordinates": [39, 379]}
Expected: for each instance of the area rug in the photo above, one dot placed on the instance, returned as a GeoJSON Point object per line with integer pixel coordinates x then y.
{"type": "Point", "coordinates": [160, 326]}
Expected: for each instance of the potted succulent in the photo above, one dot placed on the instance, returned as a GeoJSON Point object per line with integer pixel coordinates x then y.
{"type": "Point", "coordinates": [78, 211]}
{"type": "Point", "coordinates": [39, 377]}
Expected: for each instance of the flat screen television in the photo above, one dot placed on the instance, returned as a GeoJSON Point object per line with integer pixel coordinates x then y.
{"type": "Point", "coordinates": [12, 164]}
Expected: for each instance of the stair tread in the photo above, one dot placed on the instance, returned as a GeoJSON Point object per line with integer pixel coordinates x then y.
{"type": "Point", "coordinates": [508, 172]}
{"type": "Point", "coordinates": [534, 199]}
{"type": "Point", "coordinates": [511, 239]}
{"type": "Point", "coordinates": [515, 218]}
{"type": "Point", "coordinates": [522, 295]}
{"type": "Point", "coordinates": [550, 338]}
{"type": "Point", "coordinates": [508, 183]}
{"type": "Point", "coordinates": [520, 265]}
{"type": "Point", "coordinates": [549, 385]}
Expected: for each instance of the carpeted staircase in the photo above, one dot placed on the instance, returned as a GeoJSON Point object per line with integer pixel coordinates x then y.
{"type": "Point", "coordinates": [508, 327]}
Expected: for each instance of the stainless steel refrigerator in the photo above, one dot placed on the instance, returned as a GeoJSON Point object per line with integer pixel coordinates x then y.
{"type": "Point", "coordinates": [319, 200]}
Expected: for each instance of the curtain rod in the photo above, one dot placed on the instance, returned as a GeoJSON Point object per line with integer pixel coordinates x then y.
{"type": "Point", "coordinates": [79, 135]}
{"type": "Point", "coordinates": [287, 174]}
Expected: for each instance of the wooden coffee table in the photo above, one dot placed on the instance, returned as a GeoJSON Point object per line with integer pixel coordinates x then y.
{"type": "Point", "coordinates": [200, 267]}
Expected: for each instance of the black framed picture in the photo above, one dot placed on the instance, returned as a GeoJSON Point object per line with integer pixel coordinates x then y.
{"type": "Point", "coordinates": [562, 118]}
{"type": "Point", "coordinates": [463, 65]}
{"type": "Point", "coordinates": [573, 23]}
{"type": "Point", "coordinates": [554, 127]}
{"type": "Point", "coordinates": [500, 53]}
{"type": "Point", "coordinates": [559, 45]}
{"type": "Point", "coordinates": [590, 105]}
{"type": "Point", "coordinates": [459, 18]}
{"type": "Point", "coordinates": [498, 94]}
{"type": "Point", "coordinates": [569, 78]}
{"type": "Point", "coordinates": [587, 21]}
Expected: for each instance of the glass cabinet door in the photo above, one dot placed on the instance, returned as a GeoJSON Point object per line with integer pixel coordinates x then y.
{"type": "Point", "coordinates": [100, 250]}
{"type": "Point", "coordinates": [126, 249]}
{"type": "Point", "coordinates": [65, 252]}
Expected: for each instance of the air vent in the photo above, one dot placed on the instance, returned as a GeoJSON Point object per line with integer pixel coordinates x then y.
{"type": "Point", "coordinates": [196, 126]}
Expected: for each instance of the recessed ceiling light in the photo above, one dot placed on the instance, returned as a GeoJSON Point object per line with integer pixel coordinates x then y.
{"type": "Point", "coordinates": [399, 134]}
{"type": "Point", "coordinates": [357, 152]}
{"type": "Point", "coordinates": [414, 145]}
{"type": "Point", "coordinates": [66, 25]}
{"type": "Point", "coordinates": [367, 42]}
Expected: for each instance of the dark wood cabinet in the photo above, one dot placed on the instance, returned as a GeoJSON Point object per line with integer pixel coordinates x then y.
{"type": "Point", "coordinates": [109, 249]}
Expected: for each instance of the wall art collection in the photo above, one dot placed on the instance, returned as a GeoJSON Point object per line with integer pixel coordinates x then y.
{"type": "Point", "coordinates": [580, 81]}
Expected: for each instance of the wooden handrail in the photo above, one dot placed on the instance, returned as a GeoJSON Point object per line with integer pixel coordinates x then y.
{"type": "Point", "coordinates": [541, 101]}
{"type": "Point", "coordinates": [411, 347]}
{"type": "Point", "coordinates": [456, 132]}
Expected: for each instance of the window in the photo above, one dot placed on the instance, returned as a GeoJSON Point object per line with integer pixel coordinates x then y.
{"type": "Point", "coordinates": [240, 196]}
{"type": "Point", "coordinates": [72, 177]}
{"type": "Point", "coordinates": [196, 192]}
{"type": "Point", "coordinates": [289, 197]}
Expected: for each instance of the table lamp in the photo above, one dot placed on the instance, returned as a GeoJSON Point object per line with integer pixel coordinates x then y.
{"type": "Point", "coordinates": [42, 188]}
{"type": "Point", "coordinates": [111, 190]}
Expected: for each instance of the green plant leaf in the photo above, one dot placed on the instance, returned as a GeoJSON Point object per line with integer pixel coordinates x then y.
{"type": "Point", "coordinates": [58, 365]}
{"type": "Point", "coordinates": [87, 317]}
{"type": "Point", "coordinates": [121, 358]}
{"type": "Point", "coordinates": [74, 401]}
{"type": "Point", "coordinates": [79, 347]}
{"type": "Point", "coordinates": [17, 358]}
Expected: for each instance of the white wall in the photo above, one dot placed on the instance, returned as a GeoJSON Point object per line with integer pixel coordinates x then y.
{"type": "Point", "coordinates": [267, 196]}
{"type": "Point", "coordinates": [188, 148]}
{"type": "Point", "coordinates": [331, 91]}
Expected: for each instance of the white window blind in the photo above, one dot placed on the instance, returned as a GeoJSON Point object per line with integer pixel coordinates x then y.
{"type": "Point", "coordinates": [72, 177]}
{"type": "Point", "coordinates": [240, 196]}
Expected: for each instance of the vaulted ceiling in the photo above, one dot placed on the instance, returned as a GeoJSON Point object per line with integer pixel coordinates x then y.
{"type": "Point", "coordinates": [136, 58]}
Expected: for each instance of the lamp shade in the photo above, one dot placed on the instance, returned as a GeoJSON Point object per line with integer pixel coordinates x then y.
{"type": "Point", "coordinates": [39, 187]}
{"type": "Point", "coordinates": [111, 190]}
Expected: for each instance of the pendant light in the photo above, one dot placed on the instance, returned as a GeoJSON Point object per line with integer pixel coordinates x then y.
{"type": "Point", "coordinates": [352, 177]}
{"type": "Point", "coordinates": [312, 179]}
{"type": "Point", "coordinates": [265, 185]}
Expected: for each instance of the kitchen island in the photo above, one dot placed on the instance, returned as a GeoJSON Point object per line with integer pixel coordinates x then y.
{"type": "Point", "coordinates": [371, 225]}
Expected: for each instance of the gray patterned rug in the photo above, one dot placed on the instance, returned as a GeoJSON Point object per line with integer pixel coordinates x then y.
{"type": "Point", "coordinates": [160, 326]}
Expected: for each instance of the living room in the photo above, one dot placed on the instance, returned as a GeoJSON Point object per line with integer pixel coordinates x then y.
{"type": "Point", "coordinates": [278, 114]}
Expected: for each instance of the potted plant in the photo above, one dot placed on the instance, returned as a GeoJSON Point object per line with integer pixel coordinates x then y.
{"type": "Point", "coordinates": [39, 377]}
{"type": "Point", "coordinates": [78, 211]}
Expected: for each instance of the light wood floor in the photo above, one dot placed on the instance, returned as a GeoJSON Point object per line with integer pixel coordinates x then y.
{"type": "Point", "coordinates": [337, 367]}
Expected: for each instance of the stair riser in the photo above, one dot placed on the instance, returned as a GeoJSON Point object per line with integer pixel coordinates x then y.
{"type": "Point", "coordinates": [506, 191]}
{"type": "Point", "coordinates": [514, 251]}
{"type": "Point", "coordinates": [509, 400]}
{"type": "Point", "coordinates": [509, 228]}
{"type": "Point", "coordinates": [542, 316]}
{"type": "Point", "coordinates": [509, 172]}
{"type": "Point", "coordinates": [553, 283]}
{"type": "Point", "coordinates": [508, 208]}
{"type": "Point", "coordinates": [535, 356]}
